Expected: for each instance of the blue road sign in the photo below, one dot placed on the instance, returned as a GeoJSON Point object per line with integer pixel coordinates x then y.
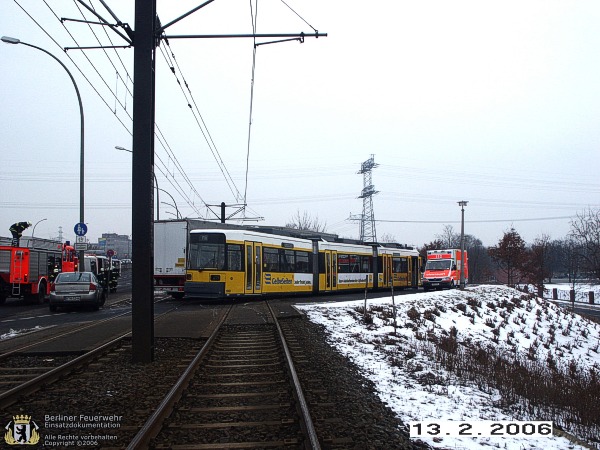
{"type": "Point", "coordinates": [80, 229]}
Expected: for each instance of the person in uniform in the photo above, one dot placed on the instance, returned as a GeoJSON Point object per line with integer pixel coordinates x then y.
{"type": "Point", "coordinates": [16, 229]}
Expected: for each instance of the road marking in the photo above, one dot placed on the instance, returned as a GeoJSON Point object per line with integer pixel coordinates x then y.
{"type": "Point", "coordinates": [29, 318]}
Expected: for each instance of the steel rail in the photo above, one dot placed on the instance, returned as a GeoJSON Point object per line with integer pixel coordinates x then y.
{"type": "Point", "coordinates": [13, 395]}
{"type": "Point", "coordinates": [306, 419]}
{"type": "Point", "coordinates": [153, 425]}
{"type": "Point", "coordinates": [35, 384]}
{"type": "Point", "coordinates": [10, 353]}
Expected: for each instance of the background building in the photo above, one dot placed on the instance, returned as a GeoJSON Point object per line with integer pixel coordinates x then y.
{"type": "Point", "coordinates": [119, 243]}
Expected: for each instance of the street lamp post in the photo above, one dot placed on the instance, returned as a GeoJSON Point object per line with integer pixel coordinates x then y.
{"type": "Point", "coordinates": [118, 147]}
{"type": "Point", "coordinates": [11, 40]}
{"type": "Point", "coordinates": [36, 224]}
{"type": "Point", "coordinates": [462, 205]}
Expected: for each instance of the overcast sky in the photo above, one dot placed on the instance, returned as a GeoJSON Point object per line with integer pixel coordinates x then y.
{"type": "Point", "coordinates": [496, 103]}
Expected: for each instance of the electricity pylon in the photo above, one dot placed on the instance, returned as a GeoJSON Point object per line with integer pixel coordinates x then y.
{"type": "Point", "coordinates": [367, 219]}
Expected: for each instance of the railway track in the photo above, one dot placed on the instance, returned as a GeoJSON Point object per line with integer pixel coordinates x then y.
{"type": "Point", "coordinates": [238, 387]}
{"type": "Point", "coordinates": [241, 391]}
{"type": "Point", "coordinates": [23, 373]}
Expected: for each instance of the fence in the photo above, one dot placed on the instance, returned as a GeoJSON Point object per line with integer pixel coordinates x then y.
{"type": "Point", "coordinates": [579, 295]}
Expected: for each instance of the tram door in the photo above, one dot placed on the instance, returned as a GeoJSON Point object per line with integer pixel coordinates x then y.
{"type": "Point", "coordinates": [416, 271]}
{"type": "Point", "coordinates": [331, 272]}
{"type": "Point", "coordinates": [253, 277]}
{"type": "Point", "coordinates": [387, 270]}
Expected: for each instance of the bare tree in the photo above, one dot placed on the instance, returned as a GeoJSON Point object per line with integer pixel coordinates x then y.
{"type": "Point", "coordinates": [449, 237]}
{"type": "Point", "coordinates": [305, 221]}
{"type": "Point", "coordinates": [387, 238]}
{"type": "Point", "coordinates": [585, 232]}
{"type": "Point", "coordinates": [537, 262]}
{"type": "Point", "coordinates": [434, 245]}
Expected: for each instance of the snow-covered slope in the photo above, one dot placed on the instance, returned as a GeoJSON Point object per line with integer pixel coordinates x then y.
{"type": "Point", "coordinates": [406, 362]}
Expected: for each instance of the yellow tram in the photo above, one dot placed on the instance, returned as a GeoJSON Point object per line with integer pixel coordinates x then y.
{"type": "Point", "coordinates": [227, 263]}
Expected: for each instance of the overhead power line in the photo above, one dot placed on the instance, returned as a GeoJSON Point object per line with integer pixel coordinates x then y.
{"type": "Point", "coordinates": [537, 219]}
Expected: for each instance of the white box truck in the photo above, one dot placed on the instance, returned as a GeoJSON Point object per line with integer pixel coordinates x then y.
{"type": "Point", "coordinates": [170, 253]}
{"type": "Point", "coordinates": [170, 249]}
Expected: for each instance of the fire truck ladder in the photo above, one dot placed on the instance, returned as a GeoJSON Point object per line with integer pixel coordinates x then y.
{"type": "Point", "coordinates": [18, 273]}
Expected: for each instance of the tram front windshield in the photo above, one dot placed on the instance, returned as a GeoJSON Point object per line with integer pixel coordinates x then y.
{"type": "Point", "coordinates": [438, 264]}
{"type": "Point", "coordinates": [207, 251]}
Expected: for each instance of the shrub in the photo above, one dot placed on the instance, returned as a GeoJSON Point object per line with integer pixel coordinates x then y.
{"type": "Point", "coordinates": [414, 314]}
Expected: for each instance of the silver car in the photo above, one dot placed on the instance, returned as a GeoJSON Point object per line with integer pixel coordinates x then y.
{"type": "Point", "coordinates": [76, 289]}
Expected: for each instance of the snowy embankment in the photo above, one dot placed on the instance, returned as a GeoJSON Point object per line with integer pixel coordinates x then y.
{"type": "Point", "coordinates": [440, 357]}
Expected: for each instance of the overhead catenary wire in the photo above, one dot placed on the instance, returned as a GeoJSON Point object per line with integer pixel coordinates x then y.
{"type": "Point", "coordinates": [128, 77]}
{"type": "Point", "coordinates": [301, 18]}
{"type": "Point", "coordinates": [100, 44]}
{"type": "Point", "coordinates": [172, 63]}
{"type": "Point", "coordinates": [253, 18]}
{"type": "Point", "coordinates": [71, 59]}
{"type": "Point", "coordinates": [164, 144]}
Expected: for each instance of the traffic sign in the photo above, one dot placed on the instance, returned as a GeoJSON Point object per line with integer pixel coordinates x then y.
{"type": "Point", "coordinates": [80, 229]}
{"type": "Point", "coordinates": [81, 246]}
{"type": "Point", "coordinates": [80, 239]}
{"type": "Point", "coordinates": [110, 253]}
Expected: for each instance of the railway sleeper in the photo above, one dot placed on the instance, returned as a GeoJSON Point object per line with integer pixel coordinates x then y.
{"type": "Point", "coordinates": [269, 423]}
{"type": "Point", "coordinates": [235, 408]}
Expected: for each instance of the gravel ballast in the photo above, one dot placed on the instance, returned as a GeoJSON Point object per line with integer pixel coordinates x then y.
{"type": "Point", "coordinates": [104, 405]}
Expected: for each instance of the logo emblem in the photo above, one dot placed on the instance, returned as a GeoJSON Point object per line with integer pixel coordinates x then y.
{"type": "Point", "coordinates": [22, 430]}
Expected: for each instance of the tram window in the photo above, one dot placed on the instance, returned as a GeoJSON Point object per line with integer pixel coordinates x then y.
{"type": "Point", "coordinates": [354, 264]}
{"type": "Point", "coordinates": [271, 260]}
{"type": "Point", "coordinates": [286, 261]}
{"type": "Point", "coordinates": [207, 251]}
{"type": "Point", "coordinates": [348, 263]}
{"type": "Point", "coordinates": [404, 265]}
{"type": "Point", "coordinates": [234, 257]}
{"type": "Point", "coordinates": [207, 256]}
{"type": "Point", "coordinates": [302, 262]}
{"type": "Point", "coordinates": [366, 264]}
{"type": "Point", "coordinates": [400, 265]}
{"type": "Point", "coordinates": [343, 263]}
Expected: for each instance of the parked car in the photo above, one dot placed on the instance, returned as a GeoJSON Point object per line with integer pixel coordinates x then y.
{"type": "Point", "coordinates": [76, 289]}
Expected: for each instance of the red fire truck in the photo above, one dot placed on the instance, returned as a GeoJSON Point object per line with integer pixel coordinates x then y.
{"type": "Point", "coordinates": [27, 271]}
{"type": "Point", "coordinates": [443, 269]}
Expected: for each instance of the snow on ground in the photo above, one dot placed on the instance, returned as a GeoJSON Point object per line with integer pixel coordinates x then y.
{"type": "Point", "coordinates": [535, 327]}
{"type": "Point", "coordinates": [20, 332]}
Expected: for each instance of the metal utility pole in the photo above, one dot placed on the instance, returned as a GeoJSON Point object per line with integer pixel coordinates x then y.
{"type": "Point", "coordinates": [142, 287]}
{"type": "Point", "coordinates": [367, 221]}
{"type": "Point", "coordinates": [462, 205]}
{"type": "Point", "coordinates": [148, 32]}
